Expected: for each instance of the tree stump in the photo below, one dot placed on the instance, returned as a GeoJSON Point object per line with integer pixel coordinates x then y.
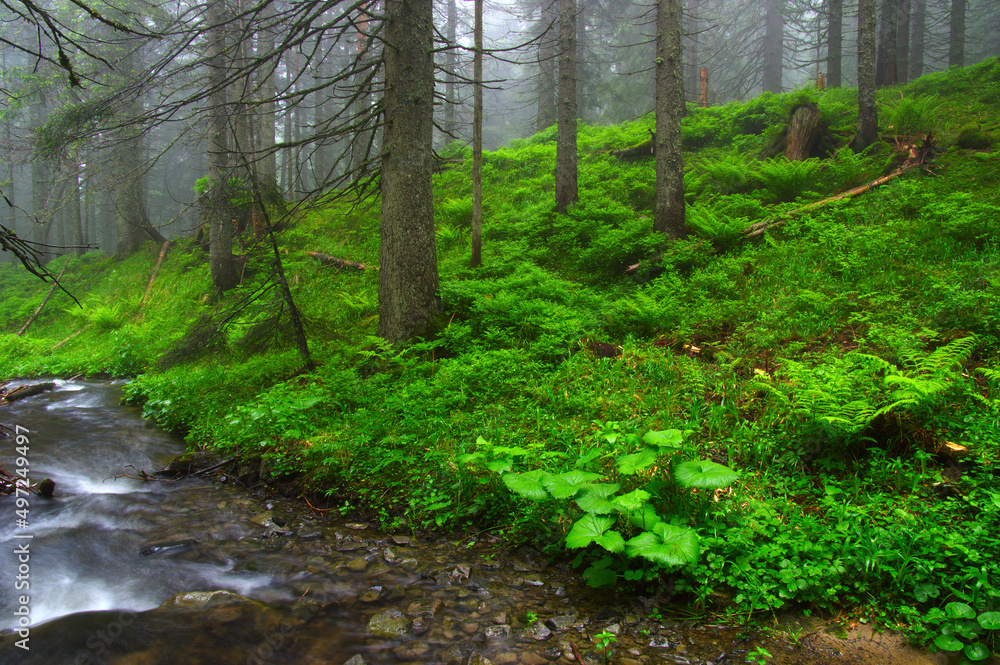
{"type": "Point", "coordinates": [803, 131]}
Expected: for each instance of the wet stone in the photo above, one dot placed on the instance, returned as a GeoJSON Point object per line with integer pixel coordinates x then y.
{"type": "Point", "coordinates": [501, 632]}
{"type": "Point", "coordinates": [356, 526]}
{"type": "Point", "coordinates": [553, 653]}
{"type": "Point", "coordinates": [479, 659]}
{"type": "Point", "coordinates": [420, 626]}
{"type": "Point", "coordinates": [402, 541]}
{"type": "Point", "coordinates": [532, 658]}
{"type": "Point", "coordinates": [500, 618]}
{"type": "Point", "coordinates": [389, 556]}
{"type": "Point", "coordinates": [425, 608]}
{"type": "Point", "coordinates": [536, 631]}
{"type": "Point", "coordinates": [614, 629]}
{"type": "Point", "coordinates": [505, 658]}
{"type": "Point", "coordinates": [564, 622]}
{"type": "Point", "coordinates": [356, 659]}
{"type": "Point", "coordinates": [357, 565]}
{"type": "Point", "coordinates": [411, 651]}
{"type": "Point", "coordinates": [350, 546]}
{"type": "Point", "coordinates": [659, 642]}
{"type": "Point", "coordinates": [264, 519]}
{"type": "Point", "coordinates": [470, 627]}
{"type": "Point", "coordinates": [561, 591]}
{"type": "Point", "coordinates": [371, 595]}
{"type": "Point", "coordinates": [390, 623]}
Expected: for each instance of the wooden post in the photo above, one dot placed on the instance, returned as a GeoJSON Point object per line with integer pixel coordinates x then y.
{"type": "Point", "coordinates": [703, 94]}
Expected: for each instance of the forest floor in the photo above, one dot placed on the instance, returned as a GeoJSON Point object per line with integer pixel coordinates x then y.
{"type": "Point", "coordinates": [845, 364]}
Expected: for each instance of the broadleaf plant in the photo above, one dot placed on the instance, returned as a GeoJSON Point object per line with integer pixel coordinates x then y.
{"type": "Point", "coordinates": [647, 476]}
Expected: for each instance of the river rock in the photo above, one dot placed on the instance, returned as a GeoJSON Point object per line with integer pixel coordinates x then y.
{"type": "Point", "coordinates": [204, 599]}
{"type": "Point", "coordinates": [356, 526]}
{"type": "Point", "coordinates": [496, 633]}
{"type": "Point", "coordinates": [425, 608]}
{"type": "Point", "coordinates": [167, 548]}
{"type": "Point", "coordinates": [659, 642]}
{"type": "Point", "coordinates": [402, 541]}
{"type": "Point", "coordinates": [564, 622]}
{"type": "Point", "coordinates": [264, 519]}
{"type": "Point", "coordinates": [356, 659]}
{"type": "Point", "coordinates": [358, 564]}
{"type": "Point", "coordinates": [411, 651]}
{"type": "Point", "coordinates": [532, 658]}
{"type": "Point", "coordinates": [536, 631]}
{"type": "Point", "coordinates": [390, 623]}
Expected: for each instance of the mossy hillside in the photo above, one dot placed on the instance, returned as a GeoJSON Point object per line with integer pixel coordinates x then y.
{"type": "Point", "coordinates": [804, 360]}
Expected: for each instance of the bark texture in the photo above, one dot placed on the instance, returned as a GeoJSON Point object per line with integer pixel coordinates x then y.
{"type": "Point", "coordinates": [220, 251]}
{"type": "Point", "coordinates": [547, 60]}
{"type": "Point", "coordinates": [918, 26]}
{"type": "Point", "coordinates": [835, 43]}
{"type": "Point", "coordinates": [408, 277]}
{"type": "Point", "coordinates": [867, 113]}
{"type": "Point", "coordinates": [566, 171]}
{"type": "Point", "coordinates": [774, 36]}
{"type": "Point", "coordinates": [956, 44]}
{"type": "Point", "coordinates": [903, 41]}
{"type": "Point", "coordinates": [668, 216]}
{"type": "Point", "coordinates": [885, 60]}
{"type": "Point", "coordinates": [477, 141]}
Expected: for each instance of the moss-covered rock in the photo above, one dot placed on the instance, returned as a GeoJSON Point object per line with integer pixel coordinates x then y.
{"type": "Point", "coordinates": [974, 138]}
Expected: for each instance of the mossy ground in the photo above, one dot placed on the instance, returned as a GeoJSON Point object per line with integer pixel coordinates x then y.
{"type": "Point", "coordinates": [777, 354]}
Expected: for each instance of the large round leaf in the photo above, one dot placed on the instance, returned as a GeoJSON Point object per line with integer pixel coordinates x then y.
{"type": "Point", "coordinates": [588, 529]}
{"type": "Point", "coordinates": [960, 611]}
{"type": "Point", "coordinates": [666, 545]}
{"type": "Point", "coordinates": [669, 438]}
{"type": "Point", "coordinates": [566, 485]}
{"type": "Point", "coordinates": [645, 519]}
{"type": "Point", "coordinates": [976, 651]}
{"type": "Point", "coordinates": [629, 464]}
{"type": "Point", "coordinates": [989, 620]}
{"type": "Point", "coordinates": [592, 502]}
{"type": "Point", "coordinates": [529, 485]}
{"type": "Point", "coordinates": [704, 474]}
{"type": "Point", "coordinates": [633, 501]}
{"type": "Point", "coordinates": [948, 643]}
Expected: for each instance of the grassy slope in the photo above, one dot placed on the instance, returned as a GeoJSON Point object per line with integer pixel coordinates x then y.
{"type": "Point", "coordinates": [795, 336]}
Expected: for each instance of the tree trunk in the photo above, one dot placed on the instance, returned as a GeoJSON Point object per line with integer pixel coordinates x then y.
{"type": "Point", "coordinates": [668, 216]}
{"type": "Point", "coordinates": [361, 147]}
{"type": "Point", "coordinates": [75, 203]}
{"type": "Point", "coordinates": [774, 36]}
{"type": "Point", "coordinates": [450, 65]}
{"type": "Point", "coordinates": [956, 43]}
{"type": "Point", "coordinates": [692, 80]}
{"type": "Point", "coordinates": [918, 29]}
{"type": "Point", "coordinates": [885, 60]}
{"type": "Point", "coordinates": [41, 182]}
{"type": "Point", "coordinates": [903, 42]}
{"type": "Point", "coordinates": [267, 161]}
{"type": "Point", "coordinates": [547, 55]}
{"type": "Point", "coordinates": [477, 142]}
{"type": "Point", "coordinates": [130, 181]}
{"type": "Point", "coordinates": [867, 112]}
{"type": "Point", "coordinates": [408, 276]}
{"type": "Point", "coordinates": [566, 189]}
{"type": "Point", "coordinates": [835, 43]}
{"type": "Point", "coordinates": [220, 252]}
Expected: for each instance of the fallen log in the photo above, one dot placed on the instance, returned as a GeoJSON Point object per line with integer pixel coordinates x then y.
{"type": "Point", "coordinates": [55, 283]}
{"type": "Point", "coordinates": [644, 150]}
{"type": "Point", "coordinates": [917, 155]}
{"type": "Point", "coordinates": [328, 260]}
{"type": "Point", "coordinates": [25, 391]}
{"type": "Point", "coordinates": [156, 268]}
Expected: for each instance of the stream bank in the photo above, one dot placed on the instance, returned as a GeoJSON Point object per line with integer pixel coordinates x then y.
{"type": "Point", "coordinates": [133, 572]}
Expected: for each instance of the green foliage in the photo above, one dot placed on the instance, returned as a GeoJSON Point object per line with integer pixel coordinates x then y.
{"type": "Point", "coordinates": [658, 544]}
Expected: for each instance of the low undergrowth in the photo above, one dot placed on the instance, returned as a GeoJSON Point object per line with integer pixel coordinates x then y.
{"type": "Point", "coordinates": [843, 369]}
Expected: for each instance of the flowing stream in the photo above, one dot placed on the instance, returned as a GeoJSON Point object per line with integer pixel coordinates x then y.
{"type": "Point", "coordinates": [124, 571]}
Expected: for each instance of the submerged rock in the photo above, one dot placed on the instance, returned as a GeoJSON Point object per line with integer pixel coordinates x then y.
{"type": "Point", "coordinates": [390, 623]}
{"type": "Point", "coordinates": [167, 548]}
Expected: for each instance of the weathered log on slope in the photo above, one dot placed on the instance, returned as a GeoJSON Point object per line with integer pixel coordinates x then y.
{"type": "Point", "coordinates": [803, 132]}
{"type": "Point", "coordinates": [328, 260]}
{"type": "Point", "coordinates": [55, 283]}
{"type": "Point", "coordinates": [644, 150]}
{"type": "Point", "coordinates": [918, 153]}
